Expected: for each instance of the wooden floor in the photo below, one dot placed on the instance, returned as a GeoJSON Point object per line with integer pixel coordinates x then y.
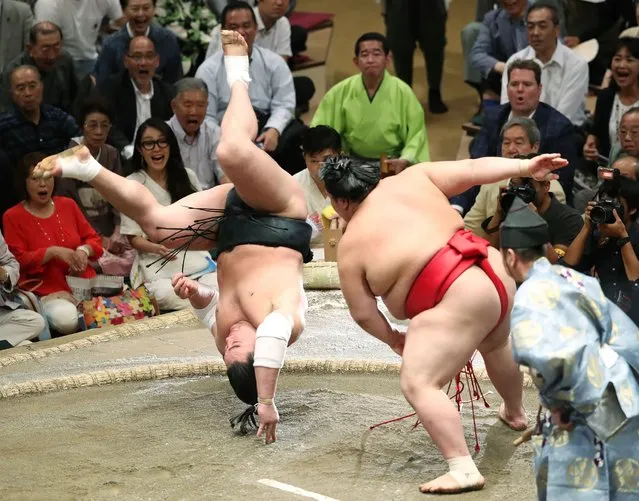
{"type": "Point", "coordinates": [354, 17]}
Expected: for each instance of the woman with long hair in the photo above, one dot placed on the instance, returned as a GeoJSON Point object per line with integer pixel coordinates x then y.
{"type": "Point", "coordinates": [157, 165]}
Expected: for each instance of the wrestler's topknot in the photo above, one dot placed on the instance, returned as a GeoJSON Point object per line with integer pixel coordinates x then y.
{"type": "Point", "coordinates": [348, 178]}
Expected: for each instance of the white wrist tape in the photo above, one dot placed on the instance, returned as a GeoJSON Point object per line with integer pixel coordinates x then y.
{"type": "Point", "coordinates": [206, 315]}
{"type": "Point", "coordinates": [237, 69]}
{"type": "Point", "coordinates": [271, 340]}
{"type": "Point", "coordinates": [83, 171]}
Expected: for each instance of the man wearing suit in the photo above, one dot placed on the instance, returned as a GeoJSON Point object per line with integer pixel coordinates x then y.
{"type": "Point", "coordinates": [557, 132]}
{"type": "Point", "coordinates": [16, 20]}
{"type": "Point", "coordinates": [138, 93]}
{"type": "Point", "coordinates": [17, 325]}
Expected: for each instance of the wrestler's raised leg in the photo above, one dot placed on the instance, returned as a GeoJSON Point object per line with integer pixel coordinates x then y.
{"type": "Point", "coordinates": [135, 200]}
{"type": "Point", "coordinates": [439, 342]}
{"type": "Point", "coordinates": [258, 179]}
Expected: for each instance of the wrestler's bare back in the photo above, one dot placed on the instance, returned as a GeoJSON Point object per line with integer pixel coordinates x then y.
{"type": "Point", "coordinates": [253, 281]}
{"type": "Point", "coordinates": [402, 224]}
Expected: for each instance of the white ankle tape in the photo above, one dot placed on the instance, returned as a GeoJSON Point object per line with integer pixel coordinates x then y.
{"type": "Point", "coordinates": [237, 69]}
{"type": "Point", "coordinates": [206, 315]}
{"type": "Point", "coordinates": [464, 470]}
{"type": "Point", "coordinates": [271, 340]}
{"type": "Point", "coordinates": [83, 171]}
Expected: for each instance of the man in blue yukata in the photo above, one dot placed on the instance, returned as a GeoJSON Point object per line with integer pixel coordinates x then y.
{"type": "Point", "coordinates": [582, 353]}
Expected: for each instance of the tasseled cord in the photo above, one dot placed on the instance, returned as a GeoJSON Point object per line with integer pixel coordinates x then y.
{"type": "Point", "coordinates": [245, 419]}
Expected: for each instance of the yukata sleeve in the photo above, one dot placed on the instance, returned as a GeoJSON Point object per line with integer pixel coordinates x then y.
{"type": "Point", "coordinates": [415, 138]}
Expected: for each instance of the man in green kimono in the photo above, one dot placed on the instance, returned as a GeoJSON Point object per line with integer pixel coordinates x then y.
{"type": "Point", "coordinates": [582, 352]}
{"type": "Point", "coordinates": [376, 113]}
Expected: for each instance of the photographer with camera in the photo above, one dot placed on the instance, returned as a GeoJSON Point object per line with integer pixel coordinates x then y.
{"type": "Point", "coordinates": [608, 243]}
{"type": "Point", "coordinates": [564, 222]}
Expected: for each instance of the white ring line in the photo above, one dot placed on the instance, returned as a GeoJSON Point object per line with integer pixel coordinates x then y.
{"type": "Point", "coordinates": [295, 490]}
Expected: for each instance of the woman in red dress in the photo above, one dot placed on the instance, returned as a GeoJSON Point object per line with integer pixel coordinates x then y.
{"type": "Point", "coordinates": [51, 239]}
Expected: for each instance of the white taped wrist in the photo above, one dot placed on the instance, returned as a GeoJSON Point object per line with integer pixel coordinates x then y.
{"type": "Point", "coordinates": [206, 315]}
{"type": "Point", "coordinates": [271, 340]}
{"type": "Point", "coordinates": [237, 69]}
{"type": "Point", "coordinates": [83, 171]}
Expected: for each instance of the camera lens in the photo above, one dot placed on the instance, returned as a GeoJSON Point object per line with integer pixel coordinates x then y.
{"type": "Point", "coordinates": [599, 214]}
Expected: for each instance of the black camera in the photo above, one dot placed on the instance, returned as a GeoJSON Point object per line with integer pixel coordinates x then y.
{"type": "Point", "coordinates": [602, 211]}
{"type": "Point", "coordinates": [524, 191]}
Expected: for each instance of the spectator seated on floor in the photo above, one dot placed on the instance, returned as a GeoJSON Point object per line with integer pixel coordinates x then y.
{"type": "Point", "coordinates": [556, 131]}
{"type": "Point", "coordinates": [96, 118]}
{"type": "Point", "coordinates": [564, 74]}
{"type": "Point", "coordinates": [197, 135]}
{"type": "Point", "coordinates": [628, 136]}
{"type": "Point", "coordinates": [51, 239]}
{"type": "Point", "coordinates": [319, 143]}
{"type": "Point", "coordinates": [30, 125]}
{"type": "Point", "coordinates": [16, 19]}
{"type": "Point", "coordinates": [157, 165]}
{"type": "Point", "coordinates": [45, 52]}
{"type": "Point", "coordinates": [614, 102]}
{"type": "Point", "coordinates": [139, 14]}
{"type": "Point", "coordinates": [519, 136]}
{"type": "Point", "coordinates": [628, 166]}
{"type": "Point", "coordinates": [503, 32]}
{"type": "Point", "coordinates": [18, 326]}
{"type": "Point", "coordinates": [271, 91]}
{"type": "Point", "coordinates": [374, 112]}
{"type": "Point", "coordinates": [608, 244]}
{"type": "Point", "coordinates": [80, 23]}
{"type": "Point", "coordinates": [273, 33]}
{"type": "Point", "coordinates": [136, 94]}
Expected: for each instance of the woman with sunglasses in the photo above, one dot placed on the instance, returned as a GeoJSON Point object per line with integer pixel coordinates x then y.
{"type": "Point", "coordinates": [158, 166]}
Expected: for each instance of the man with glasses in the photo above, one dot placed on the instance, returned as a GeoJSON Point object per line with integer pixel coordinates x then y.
{"type": "Point", "coordinates": [139, 14]}
{"type": "Point", "coordinates": [137, 94]}
{"type": "Point", "coordinates": [45, 51]}
{"type": "Point", "coordinates": [30, 125]}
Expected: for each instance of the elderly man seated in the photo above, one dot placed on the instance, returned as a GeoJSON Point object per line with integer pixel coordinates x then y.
{"type": "Point", "coordinates": [564, 74]}
{"type": "Point", "coordinates": [271, 91]}
{"type": "Point", "coordinates": [197, 135]}
{"type": "Point", "coordinates": [45, 52]}
{"type": "Point", "coordinates": [139, 15]}
{"type": "Point", "coordinates": [137, 94]}
{"type": "Point", "coordinates": [318, 144]}
{"type": "Point", "coordinates": [376, 113]}
{"type": "Point", "coordinates": [30, 125]}
{"type": "Point", "coordinates": [519, 137]}
{"type": "Point", "coordinates": [556, 132]}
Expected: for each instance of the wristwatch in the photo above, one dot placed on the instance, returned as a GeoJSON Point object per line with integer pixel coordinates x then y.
{"type": "Point", "coordinates": [622, 241]}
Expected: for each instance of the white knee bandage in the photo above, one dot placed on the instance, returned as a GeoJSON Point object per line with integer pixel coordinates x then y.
{"type": "Point", "coordinates": [237, 69]}
{"type": "Point", "coordinates": [206, 315]}
{"type": "Point", "coordinates": [84, 171]}
{"type": "Point", "coordinates": [271, 340]}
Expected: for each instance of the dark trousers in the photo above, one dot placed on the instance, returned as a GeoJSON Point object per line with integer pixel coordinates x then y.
{"type": "Point", "coordinates": [288, 153]}
{"type": "Point", "coordinates": [409, 22]}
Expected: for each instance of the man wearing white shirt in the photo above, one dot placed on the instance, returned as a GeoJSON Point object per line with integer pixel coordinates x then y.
{"type": "Point", "coordinates": [197, 135]}
{"type": "Point", "coordinates": [80, 22]}
{"type": "Point", "coordinates": [564, 75]}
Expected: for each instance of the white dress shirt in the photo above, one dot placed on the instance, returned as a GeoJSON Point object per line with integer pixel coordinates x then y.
{"type": "Point", "coordinates": [271, 90]}
{"type": "Point", "coordinates": [143, 113]}
{"type": "Point", "coordinates": [199, 152]}
{"type": "Point", "coordinates": [277, 38]}
{"type": "Point", "coordinates": [564, 81]}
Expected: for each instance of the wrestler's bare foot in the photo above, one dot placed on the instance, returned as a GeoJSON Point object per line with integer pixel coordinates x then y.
{"type": "Point", "coordinates": [517, 421]}
{"type": "Point", "coordinates": [198, 295]}
{"type": "Point", "coordinates": [51, 165]}
{"type": "Point", "coordinates": [233, 44]}
{"type": "Point", "coordinates": [448, 484]}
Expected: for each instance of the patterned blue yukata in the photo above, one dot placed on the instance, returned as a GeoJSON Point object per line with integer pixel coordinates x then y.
{"type": "Point", "coordinates": [582, 353]}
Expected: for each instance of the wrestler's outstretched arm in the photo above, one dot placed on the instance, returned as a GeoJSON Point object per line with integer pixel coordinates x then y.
{"type": "Point", "coordinates": [258, 179]}
{"type": "Point", "coordinates": [134, 199]}
{"type": "Point", "coordinates": [453, 178]}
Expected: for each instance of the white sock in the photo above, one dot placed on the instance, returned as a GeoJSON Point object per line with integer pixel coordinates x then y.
{"type": "Point", "coordinates": [206, 315]}
{"type": "Point", "coordinates": [464, 470]}
{"type": "Point", "coordinates": [237, 69]}
{"type": "Point", "coordinates": [75, 169]}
